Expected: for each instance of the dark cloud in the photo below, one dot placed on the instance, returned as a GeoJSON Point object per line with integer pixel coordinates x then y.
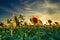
{"type": "Point", "coordinates": [55, 1]}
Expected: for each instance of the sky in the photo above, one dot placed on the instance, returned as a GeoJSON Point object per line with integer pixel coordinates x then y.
{"type": "Point", "coordinates": [44, 9]}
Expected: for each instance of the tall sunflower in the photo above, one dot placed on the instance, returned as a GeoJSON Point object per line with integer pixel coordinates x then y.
{"type": "Point", "coordinates": [7, 23]}
{"type": "Point", "coordinates": [34, 20]}
{"type": "Point", "coordinates": [14, 21]}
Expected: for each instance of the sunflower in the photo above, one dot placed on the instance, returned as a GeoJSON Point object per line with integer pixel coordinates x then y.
{"type": "Point", "coordinates": [7, 20]}
{"type": "Point", "coordinates": [34, 20]}
{"type": "Point", "coordinates": [14, 20]}
{"type": "Point", "coordinates": [7, 23]}
{"type": "Point", "coordinates": [1, 24]}
{"type": "Point", "coordinates": [21, 16]}
{"type": "Point", "coordinates": [56, 23]}
{"type": "Point", "coordinates": [14, 24]}
{"type": "Point", "coordinates": [49, 21]}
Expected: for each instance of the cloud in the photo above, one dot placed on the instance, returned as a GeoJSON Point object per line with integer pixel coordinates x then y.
{"type": "Point", "coordinates": [45, 9]}
{"type": "Point", "coordinates": [55, 1]}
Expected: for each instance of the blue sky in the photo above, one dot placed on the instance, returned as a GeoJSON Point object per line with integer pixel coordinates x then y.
{"type": "Point", "coordinates": [42, 8]}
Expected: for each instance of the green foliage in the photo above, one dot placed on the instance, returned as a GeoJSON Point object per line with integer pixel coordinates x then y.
{"type": "Point", "coordinates": [31, 33]}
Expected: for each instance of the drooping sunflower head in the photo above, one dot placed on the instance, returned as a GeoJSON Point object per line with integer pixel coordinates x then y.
{"type": "Point", "coordinates": [34, 19]}
{"type": "Point", "coordinates": [49, 21]}
{"type": "Point", "coordinates": [56, 23]}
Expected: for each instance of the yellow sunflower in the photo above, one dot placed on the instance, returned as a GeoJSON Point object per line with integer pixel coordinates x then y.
{"type": "Point", "coordinates": [34, 20]}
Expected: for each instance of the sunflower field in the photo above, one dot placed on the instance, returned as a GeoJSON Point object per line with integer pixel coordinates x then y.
{"type": "Point", "coordinates": [17, 29]}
